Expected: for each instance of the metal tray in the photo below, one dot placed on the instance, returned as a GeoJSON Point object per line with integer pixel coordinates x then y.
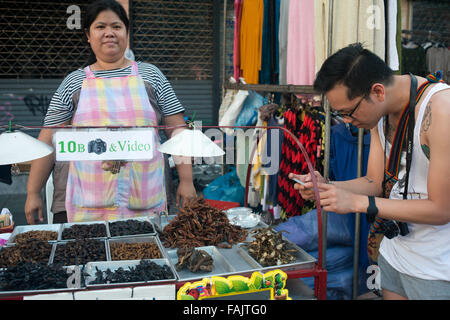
{"type": "Point", "coordinates": [60, 243]}
{"type": "Point", "coordinates": [303, 259]}
{"type": "Point", "coordinates": [135, 239]}
{"type": "Point", "coordinates": [39, 227]}
{"type": "Point", "coordinates": [241, 261]}
{"type": "Point", "coordinates": [114, 265]}
{"type": "Point", "coordinates": [69, 225]}
{"type": "Point", "coordinates": [142, 219]}
{"type": "Point", "coordinates": [221, 265]}
{"type": "Point", "coordinates": [13, 245]}
{"type": "Point", "coordinates": [44, 291]}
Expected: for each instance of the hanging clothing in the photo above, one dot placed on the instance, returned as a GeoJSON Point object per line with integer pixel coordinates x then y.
{"type": "Point", "coordinates": [257, 173]}
{"type": "Point", "coordinates": [392, 55]}
{"type": "Point", "coordinates": [344, 153]}
{"type": "Point", "coordinates": [231, 113]}
{"type": "Point", "coordinates": [251, 40]}
{"type": "Point", "coordinates": [237, 32]}
{"type": "Point", "coordinates": [343, 166]}
{"type": "Point", "coordinates": [226, 102]}
{"type": "Point", "coordinates": [305, 127]}
{"type": "Point", "coordinates": [138, 189]}
{"type": "Point", "coordinates": [353, 21]}
{"type": "Point", "coordinates": [269, 55]}
{"type": "Point", "coordinates": [300, 47]}
{"type": "Point", "coordinates": [372, 26]}
{"type": "Point", "coordinates": [273, 153]}
{"type": "Point", "coordinates": [283, 40]}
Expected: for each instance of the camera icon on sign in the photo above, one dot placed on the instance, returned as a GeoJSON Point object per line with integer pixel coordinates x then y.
{"type": "Point", "coordinates": [97, 146]}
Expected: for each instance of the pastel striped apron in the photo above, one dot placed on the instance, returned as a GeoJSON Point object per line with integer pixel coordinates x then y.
{"type": "Point", "coordinates": [138, 189]}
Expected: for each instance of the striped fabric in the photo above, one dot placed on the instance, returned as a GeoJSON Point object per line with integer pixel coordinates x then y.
{"type": "Point", "coordinates": [138, 189]}
{"type": "Point", "coordinates": [61, 106]}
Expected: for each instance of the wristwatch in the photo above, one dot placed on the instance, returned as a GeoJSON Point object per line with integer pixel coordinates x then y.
{"type": "Point", "coordinates": [372, 210]}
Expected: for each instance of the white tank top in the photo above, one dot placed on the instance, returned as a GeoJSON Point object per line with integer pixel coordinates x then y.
{"type": "Point", "coordinates": [425, 252]}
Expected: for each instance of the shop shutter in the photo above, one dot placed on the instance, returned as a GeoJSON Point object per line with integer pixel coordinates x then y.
{"type": "Point", "coordinates": [177, 36]}
{"type": "Point", "coordinates": [39, 49]}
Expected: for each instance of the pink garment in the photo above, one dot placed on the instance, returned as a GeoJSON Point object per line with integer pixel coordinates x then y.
{"type": "Point", "coordinates": [237, 32]}
{"type": "Point", "coordinates": [300, 47]}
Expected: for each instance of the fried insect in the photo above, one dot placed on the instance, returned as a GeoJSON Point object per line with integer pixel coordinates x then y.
{"type": "Point", "coordinates": [194, 260]}
{"type": "Point", "coordinates": [269, 248]}
{"type": "Point", "coordinates": [198, 224]}
{"type": "Point", "coordinates": [36, 235]}
{"type": "Point", "coordinates": [135, 251]}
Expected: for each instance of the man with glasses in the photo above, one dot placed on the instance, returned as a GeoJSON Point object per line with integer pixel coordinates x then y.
{"type": "Point", "coordinates": [406, 190]}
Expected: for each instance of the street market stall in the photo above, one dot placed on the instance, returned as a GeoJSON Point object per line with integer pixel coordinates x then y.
{"type": "Point", "coordinates": [138, 252]}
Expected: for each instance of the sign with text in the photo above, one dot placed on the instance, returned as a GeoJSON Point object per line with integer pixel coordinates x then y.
{"type": "Point", "coordinates": [133, 144]}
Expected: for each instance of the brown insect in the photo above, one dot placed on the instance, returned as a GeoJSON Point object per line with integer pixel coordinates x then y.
{"type": "Point", "coordinates": [198, 224]}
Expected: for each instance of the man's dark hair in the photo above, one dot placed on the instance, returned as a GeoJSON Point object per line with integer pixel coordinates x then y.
{"type": "Point", "coordinates": [356, 68]}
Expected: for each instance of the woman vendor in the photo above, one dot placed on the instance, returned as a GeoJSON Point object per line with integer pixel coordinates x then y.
{"type": "Point", "coordinates": [110, 91]}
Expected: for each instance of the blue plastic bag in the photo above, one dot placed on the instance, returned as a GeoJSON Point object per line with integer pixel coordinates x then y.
{"type": "Point", "coordinates": [249, 112]}
{"type": "Point", "coordinates": [337, 258]}
{"type": "Point", "coordinates": [303, 231]}
{"type": "Point", "coordinates": [226, 188]}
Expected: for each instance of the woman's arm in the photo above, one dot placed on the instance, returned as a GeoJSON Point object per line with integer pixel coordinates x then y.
{"type": "Point", "coordinates": [39, 173]}
{"type": "Point", "coordinates": [186, 189]}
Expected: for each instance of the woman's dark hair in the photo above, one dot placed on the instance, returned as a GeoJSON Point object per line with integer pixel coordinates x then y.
{"type": "Point", "coordinates": [94, 9]}
{"type": "Point", "coordinates": [356, 68]}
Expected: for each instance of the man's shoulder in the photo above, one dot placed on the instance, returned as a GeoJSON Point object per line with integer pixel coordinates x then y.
{"type": "Point", "coordinates": [439, 103]}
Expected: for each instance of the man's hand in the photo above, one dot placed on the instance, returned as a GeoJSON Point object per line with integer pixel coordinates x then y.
{"type": "Point", "coordinates": [34, 204]}
{"type": "Point", "coordinates": [335, 199]}
{"type": "Point", "coordinates": [185, 192]}
{"type": "Point", "coordinates": [307, 190]}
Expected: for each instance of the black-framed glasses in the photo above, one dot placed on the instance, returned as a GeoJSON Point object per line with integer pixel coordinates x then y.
{"type": "Point", "coordinates": [348, 115]}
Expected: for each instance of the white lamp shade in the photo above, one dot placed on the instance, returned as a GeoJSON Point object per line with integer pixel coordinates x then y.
{"type": "Point", "coordinates": [17, 147]}
{"type": "Point", "coordinates": [191, 143]}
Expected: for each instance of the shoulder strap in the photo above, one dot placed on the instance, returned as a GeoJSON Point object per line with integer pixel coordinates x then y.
{"type": "Point", "coordinates": [411, 123]}
{"type": "Point", "coordinates": [89, 73]}
{"type": "Point", "coordinates": [134, 68]}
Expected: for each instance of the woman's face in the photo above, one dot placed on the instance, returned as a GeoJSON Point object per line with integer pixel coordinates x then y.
{"type": "Point", "coordinates": [108, 37]}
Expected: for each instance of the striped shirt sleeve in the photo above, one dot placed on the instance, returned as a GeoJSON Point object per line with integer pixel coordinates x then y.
{"type": "Point", "coordinates": [61, 105]}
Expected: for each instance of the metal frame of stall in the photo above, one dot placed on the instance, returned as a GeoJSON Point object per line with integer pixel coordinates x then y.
{"type": "Point", "coordinates": [321, 266]}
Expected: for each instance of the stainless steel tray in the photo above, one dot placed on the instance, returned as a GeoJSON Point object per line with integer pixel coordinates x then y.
{"type": "Point", "coordinates": [60, 243]}
{"type": "Point", "coordinates": [43, 291]}
{"type": "Point", "coordinates": [303, 259]}
{"type": "Point", "coordinates": [151, 220]}
{"type": "Point", "coordinates": [221, 265]}
{"type": "Point", "coordinates": [241, 261]}
{"type": "Point", "coordinates": [114, 265]}
{"type": "Point", "coordinates": [68, 225]}
{"type": "Point", "coordinates": [135, 239]}
{"type": "Point", "coordinates": [12, 245]}
{"type": "Point", "coordinates": [39, 227]}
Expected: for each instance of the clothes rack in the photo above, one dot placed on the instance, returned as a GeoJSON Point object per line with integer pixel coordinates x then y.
{"type": "Point", "coordinates": [319, 273]}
